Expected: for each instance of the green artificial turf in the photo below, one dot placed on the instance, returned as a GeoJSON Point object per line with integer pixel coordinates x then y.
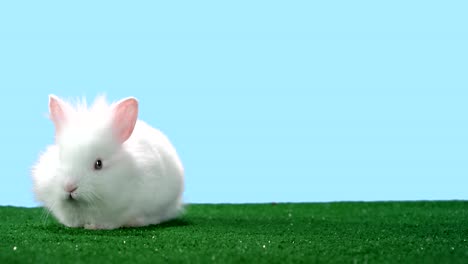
{"type": "Point", "coordinates": [377, 232]}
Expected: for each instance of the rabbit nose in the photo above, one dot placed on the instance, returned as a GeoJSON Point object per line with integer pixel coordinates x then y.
{"type": "Point", "coordinates": [70, 188]}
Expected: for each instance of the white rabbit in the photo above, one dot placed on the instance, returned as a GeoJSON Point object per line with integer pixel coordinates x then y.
{"type": "Point", "coordinates": [107, 169]}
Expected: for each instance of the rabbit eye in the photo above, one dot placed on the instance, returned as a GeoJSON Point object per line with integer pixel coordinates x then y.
{"type": "Point", "coordinates": [98, 164]}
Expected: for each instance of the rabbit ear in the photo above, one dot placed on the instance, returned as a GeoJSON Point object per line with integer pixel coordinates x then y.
{"type": "Point", "coordinates": [58, 112]}
{"type": "Point", "coordinates": [125, 115]}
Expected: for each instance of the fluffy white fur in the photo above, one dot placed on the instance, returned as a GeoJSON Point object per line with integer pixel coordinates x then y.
{"type": "Point", "coordinates": [140, 183]}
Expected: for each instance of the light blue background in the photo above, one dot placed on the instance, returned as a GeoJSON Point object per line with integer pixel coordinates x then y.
{"type": "Point", "coordinates": [264, 100]}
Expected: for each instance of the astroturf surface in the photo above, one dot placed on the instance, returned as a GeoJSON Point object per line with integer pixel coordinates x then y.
{"type": "Point", "coordinates": [350, 232]}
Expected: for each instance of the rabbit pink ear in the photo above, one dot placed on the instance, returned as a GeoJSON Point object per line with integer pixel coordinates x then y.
{"type": "Point", "coordinates": [57, 110]}
{"type": "Point", "coordinates": [125, 117]}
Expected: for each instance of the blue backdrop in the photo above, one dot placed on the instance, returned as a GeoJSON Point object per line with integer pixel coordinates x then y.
{"type": "Point", "coordinates": [264, 100]}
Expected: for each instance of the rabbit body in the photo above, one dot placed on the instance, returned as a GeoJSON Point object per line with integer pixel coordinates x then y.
{"type": "Point", "coordinates": [107, 169]}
